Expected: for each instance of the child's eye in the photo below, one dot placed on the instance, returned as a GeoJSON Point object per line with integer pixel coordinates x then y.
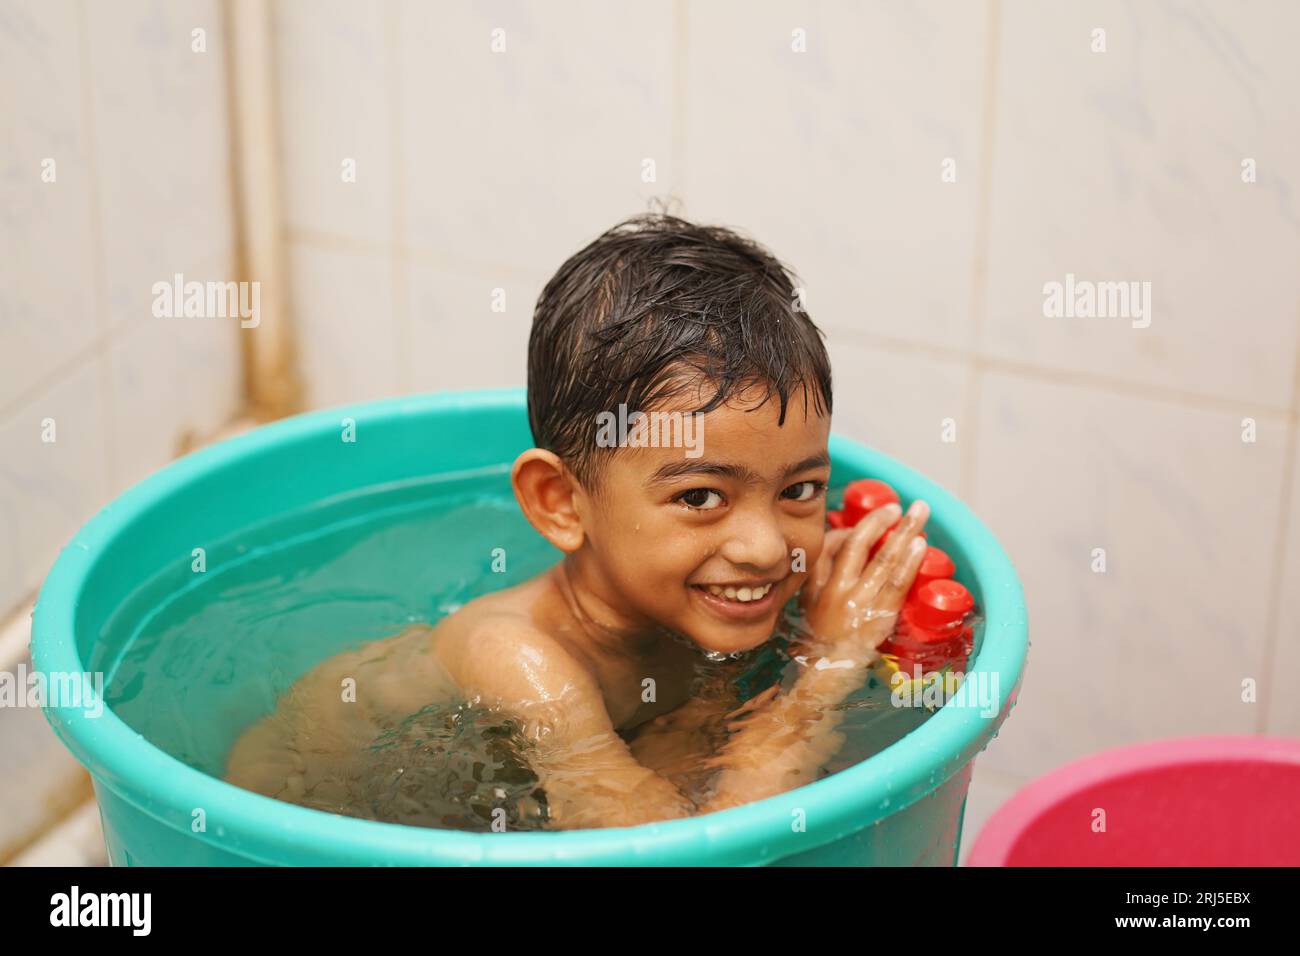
{"type": "Point", "coordinates": [701, 499]}
{"type": "Point", "coordinates": [804, 491]}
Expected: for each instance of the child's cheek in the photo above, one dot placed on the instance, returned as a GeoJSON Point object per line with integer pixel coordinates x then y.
{"type": "Point", "coordinates": [806, 553]}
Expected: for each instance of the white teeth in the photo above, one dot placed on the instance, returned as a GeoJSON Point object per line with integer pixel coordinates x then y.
{"type": "Point", "coordinates": [740, 594]}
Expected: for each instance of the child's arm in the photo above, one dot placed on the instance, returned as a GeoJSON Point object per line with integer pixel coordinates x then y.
{"type": "Point", "coordinates": [588, 772]}
{"type": "Point", "coordinates": [851, 608]}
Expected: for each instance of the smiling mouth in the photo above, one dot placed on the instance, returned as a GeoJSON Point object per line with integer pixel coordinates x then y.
{"type": "Point", "coordinates": [738, 603]}
{"type": "Point", "coordinates": [743, 595]}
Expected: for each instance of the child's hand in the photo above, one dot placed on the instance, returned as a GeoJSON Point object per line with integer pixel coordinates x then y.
{"type": "Point", "coordinates": [780, 740]}
{"type": "Point", "coordinates": [847, 600]}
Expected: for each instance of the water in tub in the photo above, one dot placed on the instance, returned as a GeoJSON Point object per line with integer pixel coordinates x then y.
{"type": "Point", "coordinates": [295, 659]}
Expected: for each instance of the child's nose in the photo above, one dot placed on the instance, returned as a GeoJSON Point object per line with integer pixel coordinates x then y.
{"type": "Point", "coordinates": [756, 542]}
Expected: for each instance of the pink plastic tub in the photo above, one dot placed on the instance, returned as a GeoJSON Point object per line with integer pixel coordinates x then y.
{"type": "Point", "coordinates": [1198, 801]}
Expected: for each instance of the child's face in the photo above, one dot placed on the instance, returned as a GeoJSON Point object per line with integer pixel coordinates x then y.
{"type": "Point", "coordinates": [668, 531]}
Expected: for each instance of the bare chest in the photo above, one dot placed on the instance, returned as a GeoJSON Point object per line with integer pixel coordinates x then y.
{"type": "Point", "coordinates": [636, 692]}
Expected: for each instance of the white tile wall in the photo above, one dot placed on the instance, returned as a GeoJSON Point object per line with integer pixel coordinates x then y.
{"type": "Point", "coordinates": [1278, 698]}
{"type": "Point", "coordinates": [1186, 512]}
{"type": "Point", "coordinates": [172, 380]}
{"type": "Point", "coordinates": [1126, 165]}
{"type": "Point", "coordinates": [345, 330]}
{"type": "Point", "coordinates": [833, 157]}
{"type": "Point", "coordinates": [900, 401]}
{"type": "Point", "coordinates": [521, 157]}
{"type": "Point", "coordinates": [136, 123]}
{"type": "Point", "coordinates": [334, 106]}
{"type": "Point", "coordinates": [1072, 434]}
{"type": "Point", "coordinates": [453, 319]}
{"type": "Point", "coordinates": [49, 488]}
{"type": "Point", "coordinates": [47, 266]}
{"type": "Point", "coordinates": [163, 147]}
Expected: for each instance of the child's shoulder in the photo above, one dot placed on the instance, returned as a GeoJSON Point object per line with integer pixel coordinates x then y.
{"type": "Point", "coordinates": [498, 645]}
{"type": "Point", "coordinates": [507, 615]}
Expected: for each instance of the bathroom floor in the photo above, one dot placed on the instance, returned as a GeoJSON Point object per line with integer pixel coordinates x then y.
{"type": "Point", "coordinates": [76, 841]}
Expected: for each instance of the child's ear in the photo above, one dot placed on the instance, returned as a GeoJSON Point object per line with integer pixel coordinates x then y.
{"type": "Point", "coordinates": [545, 489]}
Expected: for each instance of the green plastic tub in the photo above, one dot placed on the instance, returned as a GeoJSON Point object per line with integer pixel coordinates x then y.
{"type": "Point", "coordinates": [902, 806]}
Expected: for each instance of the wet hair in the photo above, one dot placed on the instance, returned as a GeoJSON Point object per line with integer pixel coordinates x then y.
{"type": "Point", "coordinates": [657, 306]}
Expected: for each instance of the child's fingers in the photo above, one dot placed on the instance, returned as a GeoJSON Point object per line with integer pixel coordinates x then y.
{"type": "Point", "coordinates": [853, 553]}
{"type": "Point", "coordinates": [835, 539]}
{"type": "Point", "coordinates": [906, 571]}
{"type": "Point", "coordinates": [758, 700]}
{"type": "Point", "coordinates": [887, 601]}
{"type": "Point", "coordinates": [900, 582]}
{"type": "Point", "coordinates": [896, 551]}
{"type": "Point", "coordinates": [821, 572]}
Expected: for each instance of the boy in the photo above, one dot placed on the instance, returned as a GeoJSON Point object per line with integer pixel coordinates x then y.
{"type": "Point", "coordinates": [703, 539]}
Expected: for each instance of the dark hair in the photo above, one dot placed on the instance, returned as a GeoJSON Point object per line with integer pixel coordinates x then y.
{"type": "Point", "coordinates": [644, 311]}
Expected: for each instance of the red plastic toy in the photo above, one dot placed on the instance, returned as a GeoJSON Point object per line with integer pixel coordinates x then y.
{"type": "Point", "coordinates": [933, 630]}
{"type": "Point", "coordinates": [865, 496]}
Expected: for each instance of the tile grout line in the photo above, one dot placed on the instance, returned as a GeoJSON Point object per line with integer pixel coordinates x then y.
{"type": "Point", "coordinates": [325, 242]}
{"type": "Point", "coordinates": [74, 839]}
{"type": "Point", "coordinates": [1273, 618]}
{"type": "Point", "coordinates": [985, 362]}
{"type": "Point", "coordinates": [87, 355]}
{"type": "Point", "coordinates": [980, 263]}
{"type": "Point", "coordinates": [100, 351]}
{"type": "Point", "coordinates": [399, 277]}
{"type": "Point", "coordinates": [16, 631]}
{"type": "Point", "coordinates": [979, 362]}
{"type": "Point", "coordinates": [678, 133]}
{"type": "Point", "coordinates": [1060, 376]}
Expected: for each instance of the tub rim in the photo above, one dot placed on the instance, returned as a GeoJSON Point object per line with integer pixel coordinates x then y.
{"type": "Point", "coordinates": [167, 789]}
